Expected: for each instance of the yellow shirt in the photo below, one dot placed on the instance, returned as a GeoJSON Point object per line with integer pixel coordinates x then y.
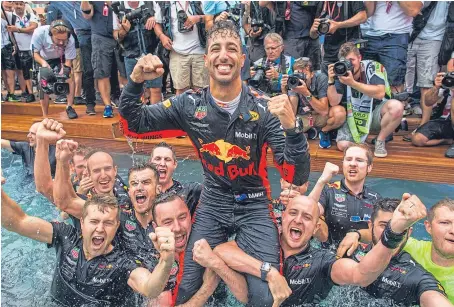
{"type": "Point", "coordinates": [421, 252]}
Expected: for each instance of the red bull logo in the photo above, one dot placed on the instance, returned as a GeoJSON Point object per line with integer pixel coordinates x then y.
{"type": "Point", "coordinates": [225, 151]}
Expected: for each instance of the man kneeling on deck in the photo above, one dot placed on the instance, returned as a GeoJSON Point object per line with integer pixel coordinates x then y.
{"type": "Point", "coordinates": [362, 87]}
{"type": "Point", "coordinates": [111, 276]}
{"type": "Point", "coordinates": [311, 273]}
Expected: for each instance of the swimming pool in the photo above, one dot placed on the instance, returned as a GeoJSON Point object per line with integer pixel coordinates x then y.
{"type": "Point", "coordinates": [27, 265]}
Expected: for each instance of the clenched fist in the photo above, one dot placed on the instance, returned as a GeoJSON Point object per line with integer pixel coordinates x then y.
{"type": "Point", "coordinates": [164, 241]}
{"type": "Point", "coordinates": [50, 131]}
{"type": "Point", "coordinates": [329, 172]}
{"type": "Point", "coordinates": [148, 67]}
{"type": "Point", "coordinates": [203, 254]}
{"type": "Point", "coordinates": [409, 211]}
{"type": "Point", "coordinates": [281, 107]}
{"type": "Point", "coordinates": [65, 150]}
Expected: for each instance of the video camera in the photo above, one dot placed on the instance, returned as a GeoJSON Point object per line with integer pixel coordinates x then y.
{"type": "Point", "coordinates": [259, 76]}
{"type": "Point", "coordinates": [53, 83]}
{"type": "Point", "coordinates": [448, 81]}
{"type": "Point", "coordinates": [342, 67]}
{"type": "Point", "coordinates": [295, 80]}
{"type": "Point", "coordinates": [134, 15]}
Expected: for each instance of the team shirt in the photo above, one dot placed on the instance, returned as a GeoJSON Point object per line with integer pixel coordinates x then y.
{"type": "Point", "coordinates": [421, 251]}
{"type": "Point", "coordinates": [28, 155]}
{"type": "Point", "coordinates": [100, 281]}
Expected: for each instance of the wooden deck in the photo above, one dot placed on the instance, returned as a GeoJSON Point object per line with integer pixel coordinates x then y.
{"type": "Point", "coordinates": [403, 162]}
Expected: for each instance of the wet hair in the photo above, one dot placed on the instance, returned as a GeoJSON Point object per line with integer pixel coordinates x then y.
{"type": "Point", "coordinates": [369, 155]}
{"type": "Point", "coordinates": [224, 28]}
{"type": "Point", "coordinates": [164, 145]}
{"type": "Point", "coordinates": [81, 151]}
{"type": "Point", "coordinates": [384, 205]}
{"type": "Point", "coordinates": [94, 151]}
{"type": "Point", "coordinates": [275, 38]}
{"type": "Point", "coordinates": [302, 63]}
{"type": "Point", "coordinates": [143, 166]}
{"type": "Point", "coordinates": [346, 49]}
{"type": "Point", "coordinates": [163, 198]}
{"type": "Point", "coordinates": [102, 202]}
{"type": "Point", "coordinates": [447, 203]}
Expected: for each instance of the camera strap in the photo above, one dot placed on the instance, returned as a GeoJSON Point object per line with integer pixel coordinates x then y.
{"type": "Point", "coordinates": [330, 9]}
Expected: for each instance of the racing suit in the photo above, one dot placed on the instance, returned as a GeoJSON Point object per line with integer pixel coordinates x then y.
{"type": "Point", "coordinates": [236, 190]}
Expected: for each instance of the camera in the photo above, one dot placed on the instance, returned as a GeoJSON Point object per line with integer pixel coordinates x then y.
{"type": "Point", "coordinates": [136, 14]}
{"type": "Point", "coordinates": [294, 80]}
{"type": "Point", "coordinates": [323, 27]}
{"type": "Point", "coordinates": [234, 13]}
{"type": "Point", "coordinates": [182, 17]}
{"type": "Point", "coordinates": [259, 77]}
{"type": "Point", "coordinates": [256, 24]}
{"type": "Point", "coordinates": [342, 67]}
{"type": "Point", "coordinates": [448, 81]}
{"type": "Point", "coordinates": [53, 83]}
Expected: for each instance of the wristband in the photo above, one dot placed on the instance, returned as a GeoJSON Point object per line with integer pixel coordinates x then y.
{"type": "Point", "coordinates": [86, 12]}
{"type": "Point", "coordinates": [391, 239]}
{"type": "Point", "coordinates": [330, 83]}
{"type": "Point", "coordinates": [357, 231]}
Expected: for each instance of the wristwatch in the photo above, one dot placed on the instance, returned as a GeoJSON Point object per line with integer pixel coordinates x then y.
{"type": "Point", "coordinates": [264, 270]}
{"type": "Point", "coordinates": [298, 127]}
{"type": "Point", "coordinates": [309, 98]}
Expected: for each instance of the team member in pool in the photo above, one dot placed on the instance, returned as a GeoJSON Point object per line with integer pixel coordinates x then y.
{"type": "Point", "coordinates": [347, 204]}
{"type": "Point", "coordinates": [27, 151]}
{"type": "Point", "coordinates": [90, 270]}
{"type": "Point", "coordinates": [232, 139]}
{"type": "Point", "coordinates": [311, 273]}
{"type": "Point", "coordinates": [165, 159]}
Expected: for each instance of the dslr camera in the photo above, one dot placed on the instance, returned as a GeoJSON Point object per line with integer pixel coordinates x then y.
{"type": "Point", "coordinates": [259, 77]}
{"type": "Point", "coordinates": [448, 81]}
{"type": "Point", "coordinates": [182, 17]}
{"type": "Point", "coordinates": [53, 83]}
{"type": "Point", "coordinates": [295, 80]}
{"type": "Point", "coordinates": [323, 27]}
{"type": "Point", "coordinates": [342, 67]}
{"type": "Point", "coordinates": [135, 15]}
{"type": "Point", "coordinates": [256, 24]}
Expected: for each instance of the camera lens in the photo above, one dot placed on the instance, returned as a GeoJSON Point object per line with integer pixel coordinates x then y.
{"type": "Point", "coordinates": [448, 81]}
{"type": "Point", "coordinates": [258, 78]}
{"type": "Point", "coordinates": [292, 82]}
{"type": "Point", "coordinates": [323, 27]}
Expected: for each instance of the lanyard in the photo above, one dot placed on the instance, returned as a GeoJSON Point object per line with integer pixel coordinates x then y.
{"type": "Point", "coordinates": [330, 10]}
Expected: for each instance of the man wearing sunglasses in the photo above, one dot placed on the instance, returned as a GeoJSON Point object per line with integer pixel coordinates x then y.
{"type": "Point", "coordinates": [348, 203]}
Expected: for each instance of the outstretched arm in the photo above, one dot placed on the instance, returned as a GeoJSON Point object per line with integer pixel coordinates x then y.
{"type": "Point", "coordinates": [6, 144]}
{"type": "Point", "coordinates": [64, 196]}
{"type": "Point", "coordinates": [348, 271]}
{"type": "Point", "coordinates": [14, 219]}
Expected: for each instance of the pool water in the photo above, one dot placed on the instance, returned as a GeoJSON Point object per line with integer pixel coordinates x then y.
{"type": "Point", "coordinates": [27, 266]}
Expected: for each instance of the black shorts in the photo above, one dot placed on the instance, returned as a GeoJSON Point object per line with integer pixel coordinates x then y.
{"type": "Point", "coordinates": [104, 54]}
{"type": "Point", "coordinates": [24, 62]}
{"type": "Point", "coordinates": [437, 129]}
{"type": "Point", "coordinates": [8, 59]}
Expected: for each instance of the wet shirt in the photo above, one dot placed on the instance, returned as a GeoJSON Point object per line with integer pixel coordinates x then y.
{"type": "Point", "coordinates": [344, 210]}
{"type": "Point", "coordinates": [308, 274]}
{"type": "Point", "coordinates": [28, 156]}
{"type": "Point", "coordinates": [403, 281]}
{"type": "Point", "coordinates": [101, 281]}
{"type": "Point", "coordinates": [190, 191]}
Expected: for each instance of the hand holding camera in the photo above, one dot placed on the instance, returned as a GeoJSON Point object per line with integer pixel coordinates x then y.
{"type": "Point", "coordinates": [445, 80]}
{"type": "Point", "coordinates": [272, 73]}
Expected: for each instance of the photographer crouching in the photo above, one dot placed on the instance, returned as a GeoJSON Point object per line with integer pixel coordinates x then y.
{"type": "Point", "coordinates": [137, 38]}
{"type": "Point", "coordinates": [307, 91]}
{"type": "Point", "coordinates": [53, 50]}
{"type": "Point", "coordinates": [362, 87]}
{"type": "Point", "coordinates": [266, 74]}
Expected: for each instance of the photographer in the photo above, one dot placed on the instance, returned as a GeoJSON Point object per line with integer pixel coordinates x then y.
{"type": "Point", "coordinates": [310, 102]}
{"type": "Point", "coordinates": [257, 26]}
{"type": "Point", "coordinates": [184, 36]}
{"type": "Point", "coordinates": [439, 131]}
{"type": "Point", "coordinates": [54, 47]}
{"type": "Point", "coordinates": [293, 22]}
{"type": "Point", "coordinates": [341, 20]}
{"type": "Point", "coordinates": [137, 38]}
{"type": "Point", "coordinates": [361, 86]}
{"type": "Point", "coordinates": [267, 72]}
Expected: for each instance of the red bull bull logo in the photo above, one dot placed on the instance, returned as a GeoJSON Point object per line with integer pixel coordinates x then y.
{"type": "Point", "coordinates": [225, 151]}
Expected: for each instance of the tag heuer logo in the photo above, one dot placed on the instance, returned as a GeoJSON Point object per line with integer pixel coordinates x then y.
{"type": "Point", "coordinates": [130, 226]}
{"type": "Point", "coordinates": [200, 112]}
{"type": "Point", "coordinates": [339, 197]}
{"type": "Point", "coordinates": [75, 252]}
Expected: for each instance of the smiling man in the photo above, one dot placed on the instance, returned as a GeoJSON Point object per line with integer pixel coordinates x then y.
{"type": "Point", "coordinates": [347, 204]}
{"type": "Point", "coordinates": [232, 130]}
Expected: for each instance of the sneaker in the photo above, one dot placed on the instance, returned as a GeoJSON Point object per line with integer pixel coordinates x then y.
{"type": "Point", "coordinates": [389, 138]}
{"type": "Point", "coordinates": [71, 112]}
{"type": "Point", "coordinates": [60, 99]}
{"type": "Point", "coordinates": [90, 109]}
{"type": "Point", "coordinates": [30, 98]}
{"type": "Point", "coordinates": [312, 133]}
{"type": "Point", "coordinates": [108, 112]}
{"type": "Point", "coordinates": [325, 141]}
{"type": "Point", "coordinates": [12, 98]}
{"type": "Point", "coordinates": [380, 149]}
{"type": "Point", "coordinates": [450, 152]}
{"type": "Point", "coordinates": [79, 101]}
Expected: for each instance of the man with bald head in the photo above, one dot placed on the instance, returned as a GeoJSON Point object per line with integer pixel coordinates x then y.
{"type": "Point", "coordinates": [311, 273]}
{"type": "Point", "coordinates": [27, 150]}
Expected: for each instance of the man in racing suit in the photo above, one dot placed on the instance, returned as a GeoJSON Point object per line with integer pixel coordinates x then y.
{"type": "Point", "coordinates": [232, 130]}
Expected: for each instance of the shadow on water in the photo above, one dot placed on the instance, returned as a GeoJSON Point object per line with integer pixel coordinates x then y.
{"type": "Point", "coordinates": [27, 265]}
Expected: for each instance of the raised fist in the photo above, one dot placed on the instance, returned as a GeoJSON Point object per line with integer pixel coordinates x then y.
{"type": "Point", "coordinates": [409, 211]}
{"type": "Point", "coordinates": [329, 172]}
{"type": "Point", "coordinates": [50, 131]}
{"type": "Point", "coordinates": [148, 67]}
{"type": "Point", "coordinates": [65, 150]}
{"type": "Point", "coordinates": [164, 241]}
{"type": "Point", "coordinates": [281, 107]}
